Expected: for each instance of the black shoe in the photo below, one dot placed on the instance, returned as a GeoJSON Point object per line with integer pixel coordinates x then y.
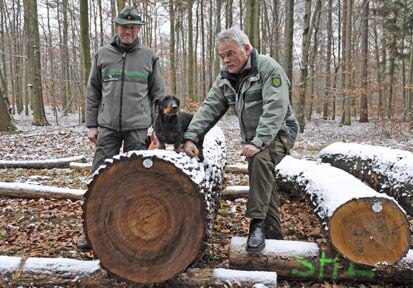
{"type": "Point", "coordinates": [83, 245]}
{"type": "Point", "coordinates": [256, 236]}
{"type": "Point", "coordinates": [273, 233]}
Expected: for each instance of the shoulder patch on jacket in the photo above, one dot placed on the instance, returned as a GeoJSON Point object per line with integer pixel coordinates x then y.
{"type": "Point", "coordinates": [276, 81]}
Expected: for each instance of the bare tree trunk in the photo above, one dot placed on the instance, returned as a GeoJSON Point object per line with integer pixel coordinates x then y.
{"type": "Point", "coordinates": [289, 41]}
{"type": "Point", "coordinates": [86, 61]}
{"type": "Point", "coordinates": [191, 56]}
{"type": "Point", "coordinates": [33, 50]}
{"type": "Point", "coordinates": [251, 22]}
{"type": "Point", "coordinates": [228, 14]}
{"type": "Point", "coordinates": [6, 122]}
{"type": "Point", "coordinates": [328, 91]}
{"type": "Point", "coordinates": [346, 119]}
{"type": "Point", "coordinates": [172, 52]}
{"type": "Point", "coordinates": [364, 115]}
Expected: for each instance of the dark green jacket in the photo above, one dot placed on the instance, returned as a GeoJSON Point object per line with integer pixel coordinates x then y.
{"type": "Point", "coordinates": [261, 103]}
{"type": "Point", "coordinates": [122, 86]}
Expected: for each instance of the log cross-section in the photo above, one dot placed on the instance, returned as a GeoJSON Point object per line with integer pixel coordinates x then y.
{"type": "Point", "coordinates": [146, 213]}
{"type": "Point", "coordinates": [364, 226]}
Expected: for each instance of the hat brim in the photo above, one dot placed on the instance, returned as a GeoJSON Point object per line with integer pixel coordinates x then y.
{"type": "Point", "coordinates": [128, 22]}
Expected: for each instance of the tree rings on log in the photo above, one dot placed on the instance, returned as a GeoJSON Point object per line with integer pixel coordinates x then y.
{"type": "Point", "coordinates": [144, 219]}
{"type": "Point", "coordinates": [371, 231]}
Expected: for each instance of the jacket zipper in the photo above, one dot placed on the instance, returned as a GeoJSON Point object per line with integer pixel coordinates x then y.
{"type": "Point", "coordinates": [121, 90]}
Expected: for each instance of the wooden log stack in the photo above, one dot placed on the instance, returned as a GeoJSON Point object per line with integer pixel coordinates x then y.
{"type": "Point", "coordinates": [147, 213]}
{"type": "Point", "coordinates": [384, 169]}
{"type": "Point", "coordinates": [364, 226]}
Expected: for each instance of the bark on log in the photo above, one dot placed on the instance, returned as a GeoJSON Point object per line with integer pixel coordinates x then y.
{"type": "Point", "coordinates": [63, 272]}
{"type": "Point", "coordinates": [386, 170]}
{"type": "Point", "coordinates": [30, 191]}
{"type": "Point", "coordinates": [146, 213]}
{"type": "Point", "coordinates": [364, 226]}
{"type": "Point", "coordinates": [241, 168]}
{"type": "Point", "coordinates": [42, 164]}
{"type": "Point", "coordinates": [307, 261]}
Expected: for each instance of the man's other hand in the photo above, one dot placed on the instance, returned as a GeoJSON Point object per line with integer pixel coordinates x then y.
{"type": "Point", "coordinates": [249, 150]}
{"type": "Point", "coordinates": [92, 134]}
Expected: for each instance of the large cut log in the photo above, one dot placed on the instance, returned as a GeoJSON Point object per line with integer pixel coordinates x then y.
{"type": "Point", "coordinates": [307, 261]}
{"type": "Point", "coordinates": [42, 164]}
{"type": "Point", "coordinates": [364, 226]}
{"type": "Point", "coordinates": [384, 169]}
{"type": "Point", "coordinates": [63, 272]}
{"type": "Point", "coordinates": [30, 191]}
{"type": "Point", "coordinates": [147, 213]}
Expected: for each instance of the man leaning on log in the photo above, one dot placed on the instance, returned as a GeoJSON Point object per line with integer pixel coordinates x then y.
{"type": "Point", "coordinates": [256, 88]}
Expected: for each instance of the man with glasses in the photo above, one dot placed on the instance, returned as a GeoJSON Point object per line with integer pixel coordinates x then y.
{"type": "Point", "coordinates": [124, 81]}
{"type": "Point", "coordinates": [256, 88]}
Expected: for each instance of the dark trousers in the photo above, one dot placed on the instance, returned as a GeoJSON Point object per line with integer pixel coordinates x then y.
{"type": "Point", "coordinates": [110, 141]}
{"type": "Point", "coordinates": [262, 197]}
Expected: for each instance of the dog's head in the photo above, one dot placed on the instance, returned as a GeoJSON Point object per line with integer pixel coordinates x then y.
{"type": "Point", "coordinates": [168, 105]}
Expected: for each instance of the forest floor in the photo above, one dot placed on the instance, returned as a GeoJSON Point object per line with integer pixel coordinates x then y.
{"type": "Point", "coordinates": [51, 228]}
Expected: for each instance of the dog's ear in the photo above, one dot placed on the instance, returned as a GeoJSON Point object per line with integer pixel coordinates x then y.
{"type": "Point", "coordinates": [157, 103]}
{"type": "Point", "coordinates": [177, 101]}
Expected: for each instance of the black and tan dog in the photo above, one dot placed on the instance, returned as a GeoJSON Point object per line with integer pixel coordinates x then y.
{"type": "Point", "coordinates": [170, 124]}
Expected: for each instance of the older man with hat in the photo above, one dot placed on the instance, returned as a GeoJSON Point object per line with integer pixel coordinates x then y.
{"type": "Point", "coordinates": [123, 84]}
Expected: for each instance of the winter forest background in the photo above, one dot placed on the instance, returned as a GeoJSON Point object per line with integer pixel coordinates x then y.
{"type": "Point", "coordinates": [350, 60]}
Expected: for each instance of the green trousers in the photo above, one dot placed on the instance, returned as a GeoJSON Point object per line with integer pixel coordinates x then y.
{"type": "Point", "coordinates": [110, 141]}
{"type": "Point", "coordinates": [262, 197]}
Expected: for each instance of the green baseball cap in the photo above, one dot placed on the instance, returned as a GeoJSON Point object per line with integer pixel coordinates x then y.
{"type": "Point", "coordinates": [129, 16]}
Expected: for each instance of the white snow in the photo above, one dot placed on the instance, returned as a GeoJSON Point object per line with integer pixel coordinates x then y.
{"type": "Point", "coordinates": [9, 264]}
{"type": "Point", "coordinates": [280, 248]}
{"type": "Point", "coordinates": [396, 163]}
{"type": "Point", "coordinates": [63, 266]}
{"type": "Point", "coordinates": [331, 186]}
{"type": "Point", "coordinates": [41, 189]}
{"type": "Point", "coordinates": [237, 276]}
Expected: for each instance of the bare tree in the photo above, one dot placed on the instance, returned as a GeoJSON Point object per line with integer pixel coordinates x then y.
{"type": "Point", "coordinates": [86, 61]}
{"type": "Point", "coordinates": [33, 52]}
{"type": "Point", "coordinates": [364, 115]}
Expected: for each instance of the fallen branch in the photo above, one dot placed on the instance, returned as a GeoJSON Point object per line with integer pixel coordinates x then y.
{"type": "Point", "coordinates": [386, 170]}
{"type": "Point", "coordinates": [364, 226]}
{"type": "Point", "coordinates": [80, 166]}
{"type": "Point", "coordinates": [30, 191]}
{"type": "Point", "coordinates": [307, 261]}
{"type": "Point", "coordinates": [42, 164]}
{"type": "Point", "coordinates": [52, 272]}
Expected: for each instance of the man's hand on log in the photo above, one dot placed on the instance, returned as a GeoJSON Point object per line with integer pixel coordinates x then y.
{"type": "Point", "coordinates": [249, 150]}
{"type": "Point", "coordinates": [191, 149]}
{"type": "Point", "coordinates": [92, 134]}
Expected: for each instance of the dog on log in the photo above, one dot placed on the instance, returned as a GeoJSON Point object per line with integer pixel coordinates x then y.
{"type": "Point", "coordinates": [170, 124]}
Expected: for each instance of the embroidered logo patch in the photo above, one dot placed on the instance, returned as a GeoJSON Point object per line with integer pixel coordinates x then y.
{"type": "Point", "coordinates": [276, 81]}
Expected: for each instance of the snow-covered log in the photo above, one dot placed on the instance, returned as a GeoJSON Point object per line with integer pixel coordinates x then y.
{"type": "Point", "coordinates": [147, 213]}
{"type": "Point", "coordinates": [80, 166]}
{"type": "Point", "coordinates": [386, 170]}
{"type": "Point", "coordinates": [234, 192]}
{"type": "Point", "coordinates": [42, 164]}
{"type": "Point", "coordinates": [30, 191]}
{"type": "Point", "coordinates": [307, 261]}
{"type": "Point", "coordinates": [63, 272]}
{"type": "Point", "coordinates": [364, 226]}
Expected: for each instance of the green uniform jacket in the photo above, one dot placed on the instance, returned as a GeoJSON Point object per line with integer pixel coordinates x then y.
{"type": "Point", "coordinates": [122, 87]}
{"type": "Point", "coordinates": [261, 104]}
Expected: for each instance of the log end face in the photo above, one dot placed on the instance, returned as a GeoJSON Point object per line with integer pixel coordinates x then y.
{"type": "Point", "coordinates": [370, 231]}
